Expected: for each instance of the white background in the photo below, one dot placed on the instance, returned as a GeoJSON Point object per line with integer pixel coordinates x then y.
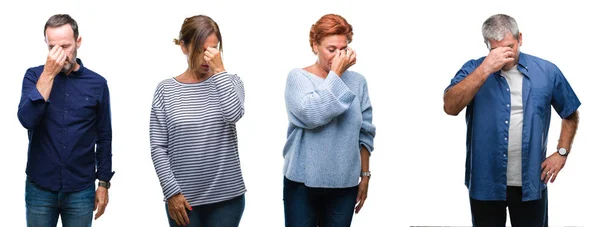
{"type": "Point", "coordinates": [408, 52]}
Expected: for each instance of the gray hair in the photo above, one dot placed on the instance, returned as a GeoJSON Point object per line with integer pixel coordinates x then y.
{"type": "Point", "coordinates": [496, 27]}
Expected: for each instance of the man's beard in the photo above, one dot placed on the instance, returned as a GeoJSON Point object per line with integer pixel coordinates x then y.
{"type": "Point", "coordinates": [68, 64]}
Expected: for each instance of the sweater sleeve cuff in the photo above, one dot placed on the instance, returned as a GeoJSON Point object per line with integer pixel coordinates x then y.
{"type": "Point", "coordinates": [338, 88]}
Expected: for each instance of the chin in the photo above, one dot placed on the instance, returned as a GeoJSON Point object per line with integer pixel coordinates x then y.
{"type": "Point", "coordinates": [66, 68]}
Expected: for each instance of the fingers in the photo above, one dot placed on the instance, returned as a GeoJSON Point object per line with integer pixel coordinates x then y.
{"type": "Point", "coordinates": [189, 207]}
{"type": "Point", "coordinates": [61, 57]}
{"type": "Point", "coordinates": [358, 207]}
{"type": "Point", "coordinates": [361, 201]}
{"type": "Point", "coordinates": [359, 196]}
{"type": "Point", "coordinates": [100, 203]}
{"type": "Point", "coordinates": [101, 208]}
{"type": "Point", "coordinates": [173, 215]}
{"type": "Point", "coordinates": [547, 175]}
{"type": "Point", "coordinates": [545, 172]}
{"type": "Point", "coordinates": [208, 54]}
{"type": "Point", "coordinates": [337, 55]}
{"type": "Point", "coordinates": [362, 195]}
{"type": "Point", "coordinates": [177, 209]}
{"type": "Point", "coordinates": [185, 217]}
{"type": "Point", "coordinates": [352, 57]}
{"type": "Point", "coordinates": [544, 163]}
{"type": "Point", "coordinates": [95, 204]}
{"type": "Point", "coordinates": [554, 176]}
{"type": "Point", "coordinates": [211, 52]}
{"type": "Point", "coordinates": [53, 51]}
{"type": "Point", "coordinates": [179, 218]}
{"type": "Point", "coordinates": [182, 217]}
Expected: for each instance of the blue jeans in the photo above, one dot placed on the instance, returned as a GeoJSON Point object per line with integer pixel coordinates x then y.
{"type": "Point", "coordinates": [522, 214]}
{"type": "Point", "coordinates": [223, 214]}
{"type": "Point", "coordinates": [325, 207]}
{"type": "Point", "coordinates": [44, 206]}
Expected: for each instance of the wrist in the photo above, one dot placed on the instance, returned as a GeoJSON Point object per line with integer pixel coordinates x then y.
{"type": "Point", "coordinates": [104, 184]}
{"type": "Point", "coordinates": [483, 71]}
{"type": "Point", "coordinates": [563, 151]}
{"type": "Point", "coordinates": [47, 75]}
{"type": "Point", "coordinates": [218, 70]}
{"type": "Point", "coordinates": [365, 174]}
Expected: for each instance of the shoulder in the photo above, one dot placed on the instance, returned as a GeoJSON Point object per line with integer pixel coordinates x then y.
{"type": "Point", "coordinates": [161, 89]}
{"type": "Point", "coordinates": [91, 73]}
{"type": "Point", "coordinates": [35, 71]}
{"type": "Point", "coordinates": [539, 62]}
{"type": "Point", "coordinates": [473, 63]}
{"type": "Point", "coordinates": [298, 75]}
{"type": "Point", "coordinates": [168, 82]}
{"type": "Point", "coordinates": [297, 72]}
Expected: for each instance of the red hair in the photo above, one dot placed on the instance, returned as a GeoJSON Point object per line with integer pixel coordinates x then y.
{"type": "Point", "coordinates": [330, 24]}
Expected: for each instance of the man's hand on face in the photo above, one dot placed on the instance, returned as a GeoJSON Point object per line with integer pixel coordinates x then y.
{"type": "Point", "coordinates": [55, 61]}
{"type": "Point", "coordinates": [497, 58]}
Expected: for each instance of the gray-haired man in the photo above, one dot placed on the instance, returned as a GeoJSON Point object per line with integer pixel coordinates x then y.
{"type": "Point", "coordinates": [508, 96]}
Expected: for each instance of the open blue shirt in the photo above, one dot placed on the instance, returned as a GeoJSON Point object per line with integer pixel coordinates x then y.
{"type": "Point", "coordinates": [69, 134]}
{"type": "Point", "coordinates": [488, 120]}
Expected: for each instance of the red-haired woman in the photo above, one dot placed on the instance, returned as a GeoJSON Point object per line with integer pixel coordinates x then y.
{"type": "Point", "coordinates": [330, 133]}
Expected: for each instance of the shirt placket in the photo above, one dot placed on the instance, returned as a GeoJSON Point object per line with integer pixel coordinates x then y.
{"type": "Point", "coordinates": [64, 130]}
{"type": "Point", "coordinates": [506, 102]}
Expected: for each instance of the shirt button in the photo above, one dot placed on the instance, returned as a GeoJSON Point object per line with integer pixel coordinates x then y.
{"type": "Point", "coordinates": [505, 122]}
{"type": "Point", "coordinates": [507, 105]}
{"type": "Point", "coordinates": [507, 89]}
{"type": "Point", "coordinates": [66, 111]}
{"type": "Point", "coordinates": [64, 147]}
{"type": "Point", "coordinates": [505, 138]}
{"type": "Point", "coordinates": [505, 155]}
{"type": "Point", "coordinates": [67, 94]}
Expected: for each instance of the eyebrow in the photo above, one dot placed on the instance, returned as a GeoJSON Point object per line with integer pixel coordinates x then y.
{"type": "Point", "coordinates": [332, 46]}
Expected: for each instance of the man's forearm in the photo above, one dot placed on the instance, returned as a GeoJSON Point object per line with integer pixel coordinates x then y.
{"type": "Point", "coordinates": [44, 85]}
{"type": "Point", "coordinates": [568, 130]}
{"type": "Point", "coordinates": [461, 94]}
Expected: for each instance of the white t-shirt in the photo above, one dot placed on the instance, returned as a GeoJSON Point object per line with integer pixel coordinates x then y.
{"type": "Point", "coordinates": [514, 78]}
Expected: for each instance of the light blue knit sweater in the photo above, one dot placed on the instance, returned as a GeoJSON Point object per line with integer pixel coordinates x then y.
{"type": "Point", "coordinates": [330, 119]}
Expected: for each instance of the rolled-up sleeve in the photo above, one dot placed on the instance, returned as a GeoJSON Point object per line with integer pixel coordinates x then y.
{"type": "Point", "coordinates": [367, 129]}
{"type": "Point", "coordinates": [32, 104]}
{"type": "Point", "coordinates": [104, 143]}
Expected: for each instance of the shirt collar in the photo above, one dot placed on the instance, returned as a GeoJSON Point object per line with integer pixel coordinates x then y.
{"type": "Point", "coordinates": [522, 65]}
{"type": "Point", "coordinates": [81, 69]}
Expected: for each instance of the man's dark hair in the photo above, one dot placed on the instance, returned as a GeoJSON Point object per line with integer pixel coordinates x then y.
{"type": "Point", "coordinates": [60, 20]}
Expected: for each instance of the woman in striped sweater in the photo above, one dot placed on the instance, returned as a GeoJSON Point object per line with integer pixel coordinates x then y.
{"type": "Point", "coordinates": [193, 135]}
{"type": "Point", "coordinates": [330, 133]}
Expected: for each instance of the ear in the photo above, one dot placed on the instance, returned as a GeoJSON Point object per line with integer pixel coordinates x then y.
{"type": "Point", "coordinates": [184, 48]}
{"type": "Point", "coordinates": [78, 41]}
{"type": "Point", "coordinates": [314, 47]}
{"type": "Point", "coordinates": [520, 39]}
